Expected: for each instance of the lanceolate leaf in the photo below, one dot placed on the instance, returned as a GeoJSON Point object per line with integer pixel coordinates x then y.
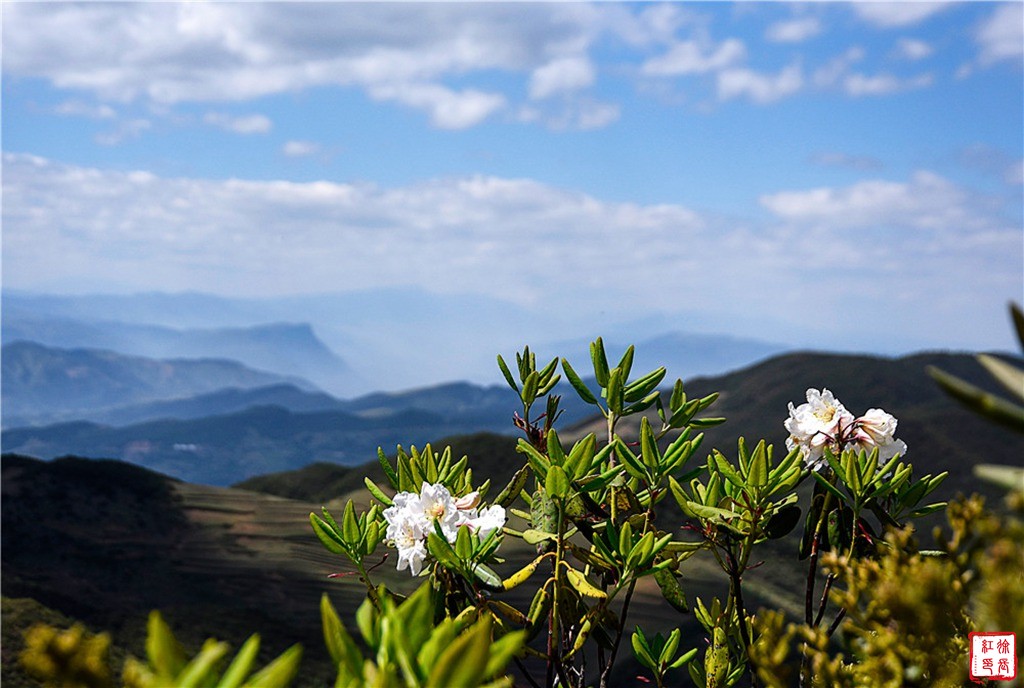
{"type": "Point", "coordinates": [577, 384]}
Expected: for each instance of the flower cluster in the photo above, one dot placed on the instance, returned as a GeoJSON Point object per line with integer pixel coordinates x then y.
{"type": "Point", "coordinates": [823, 422]}
{"type": "Point", "coordinates": [412, 516]}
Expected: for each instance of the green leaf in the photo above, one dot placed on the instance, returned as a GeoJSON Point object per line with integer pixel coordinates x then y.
{"type": "Point", "coordinates": [648, 446]}
{"type": "Point", "coordinates": [349, 526]}
{"type": "Point", "coordinates": [615, 398]}
{"type": "Point", "coordinates": [515, 486]}
{"type": "Point", "coordinates": [557, 482]}
{"type": "Point", "coordinates": [577, 384]}
{"type": "Point", "coordinates": [686, 657]}
{"type": "Point", "coordinates": [241, 664]}
{"type": "Point", "coordinates": [163, 650]}
{"type": "Point", "coordinates": [532, 536]}
{"type": "Point", "coordinates": [548, 379]}
{"type": "Point", "coordinates": [508, 374]}
{"type": "Point", "coordinates": [388, 470]}
{"type": "Point", "coordinates": [201, 669]}
{"type": "Point", "coordinates": [280, 672]}
{"type": "Point", "coordinates": [464, 661]}
{"type": "Point", "coordinates": [330, 539]}
{"type": "Point", "coordinates": [1010, 377]}
{"type": "Point", "coordinates": [1007, 477]}
{"type": "Point", "coordinates": [463, 543]}
{"type": "Point", "coordinates": [640, 388]}
{"type": "Point", "coordinates": [486, 575]}
{"type": "Point", "coordinates": [628, 459]}
{"type": "Point", "coordinates": [925, 510]}
{"type": "Point", "coordinates": [502, 651]}
{"type": "Point", "coordinates": [582, 585]}
{"type": "Point", "coordinates": [758, 476]}
{"type": "Point", "coordinates": [670, 647]}
{"type": "Point", "coordinates": [442, 550]}
{"type": "Point", "coordinates": [723, 466]}
{"type": "Point", "coordinates": [989, 405]}
{"type": "Point", "coordinates": [642, 650]}
{"type": "Point", "coordinates": [600, 361]}
{"type": "Point", "coordinates": [538, 461]}
{"type": "Point", "coordinates": [851, 474]}
{"type": "Point", "coordinates": [340, 645]}
{"type": "Point", "coordinates": [626, 362]}
{"type": "Point", "coordinates": [555, 452]}
{"type": "Point", "coordinates": [828, 486]}
{"type": "Point", "coordinates": [678, 397]}
{"type": "Point", "coordinates": [706, 422]}
{"type": "Point", "coordinates": [581, 456]}
{"type": "Point", "coordinates": [530, 386]}
{"type": "Point", "coordinates": [377, 493]}
{"type": "Point", "coordinates": [671, 590]}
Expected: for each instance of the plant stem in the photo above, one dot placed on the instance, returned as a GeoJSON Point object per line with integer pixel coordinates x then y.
{"type": "Point", "coordinates": [618, 636]}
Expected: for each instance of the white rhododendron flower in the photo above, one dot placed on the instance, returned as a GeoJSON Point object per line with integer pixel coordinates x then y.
{"type": "Point", "coordinates": [412, 516]}
{"type": "Point", "coordinates": [876, 428]}
{"type": "Point", "coordinates": [490, 519]}
{"type": "Point", "coordinates": [823, 422]}
{"type": "Point", "coordinates": [407, 532]}
{"type": "Point", "coordinates": [815, 425]}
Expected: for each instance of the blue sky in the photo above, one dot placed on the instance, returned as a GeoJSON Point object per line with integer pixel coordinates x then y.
{"type": "Point", "coordinates": [817, 174]}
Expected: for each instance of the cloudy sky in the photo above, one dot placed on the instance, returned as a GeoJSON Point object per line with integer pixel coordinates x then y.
{"type": "Point", "coordinates": [810, 173]}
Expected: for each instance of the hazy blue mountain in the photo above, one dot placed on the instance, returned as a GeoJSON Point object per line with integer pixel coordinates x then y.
{"type": "Point", "coordinates": [225, 449]}
{"type": "Point", "coordinates": [223, 401]}
{"type": "Point", "coordinates": [687, 355]}
{"type": "Point", "coordinates": [43, 384]}
{"type": "Point", "coordinates": [283, 348]}
{"type": "Point", "coordinates": [394, 338]}
{"type": "Point", "coordinates": [222, 450]}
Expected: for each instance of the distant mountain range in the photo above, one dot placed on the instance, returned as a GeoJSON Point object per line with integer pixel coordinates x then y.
{"type": "Point", "coordinates": [287, 349]}
{"type": "Point", "coordinates": [227, 448]}
{"type": "Point", "coordinates": [41, 384]}
{"type": "Point", "coordinates": [361, 342]}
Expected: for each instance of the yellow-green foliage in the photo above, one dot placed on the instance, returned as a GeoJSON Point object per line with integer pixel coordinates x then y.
{"type": "Point", "coordinates": [408, 649]}
{"type": "Point", "coordinates": [75, 658]}
{"type": "Point", "coordinates": [908, 613]}
{"type": "Point", "coordinates": [72, 657]}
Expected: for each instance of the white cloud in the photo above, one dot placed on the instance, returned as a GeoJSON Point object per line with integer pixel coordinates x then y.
{"type": "Point", "coordinates": [448, 109]}
{"type": "Point", "coordinates": [126, 130]}
{"type": "Point", "coordinates": [793, 30]}
{"type": "Point", "coordinates": [896, 14]}
{"type": "Point", "coordinates": [913, 49]}
{"type": "Point", "coordinates": [695, 57]}
{"type": "Point", "coordinates": [561, 75]}
{"type": "Point", "coordinates": [837, 73]}
{"type": "Point", "coordinates": [300, 149]}
{"type": "Point", "coordinates": [78, 108]}
{"type": "Point", "coordinates": [596, 115]}
{"type": "Point", "coordinates": [276, 236]}
{"type": "Point", "coordinates": [835, 69]}
{"type": "Point", "coordinates": [857, 85]}
{"type": "Point", "coordinates": [520, 241]}
{"type": "Point", "coordinates": [927, 201]}
{"type": "Point", "coordinates": [168, 53]}
{"type": "Point", "coordinates": [245, 124]}
{"type": "Point", "coordinates": [1001, 36]}
{"type": "Point", "coordinates": [574, 112]}
{"type": "Point", "coordinates": [760, 88]}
